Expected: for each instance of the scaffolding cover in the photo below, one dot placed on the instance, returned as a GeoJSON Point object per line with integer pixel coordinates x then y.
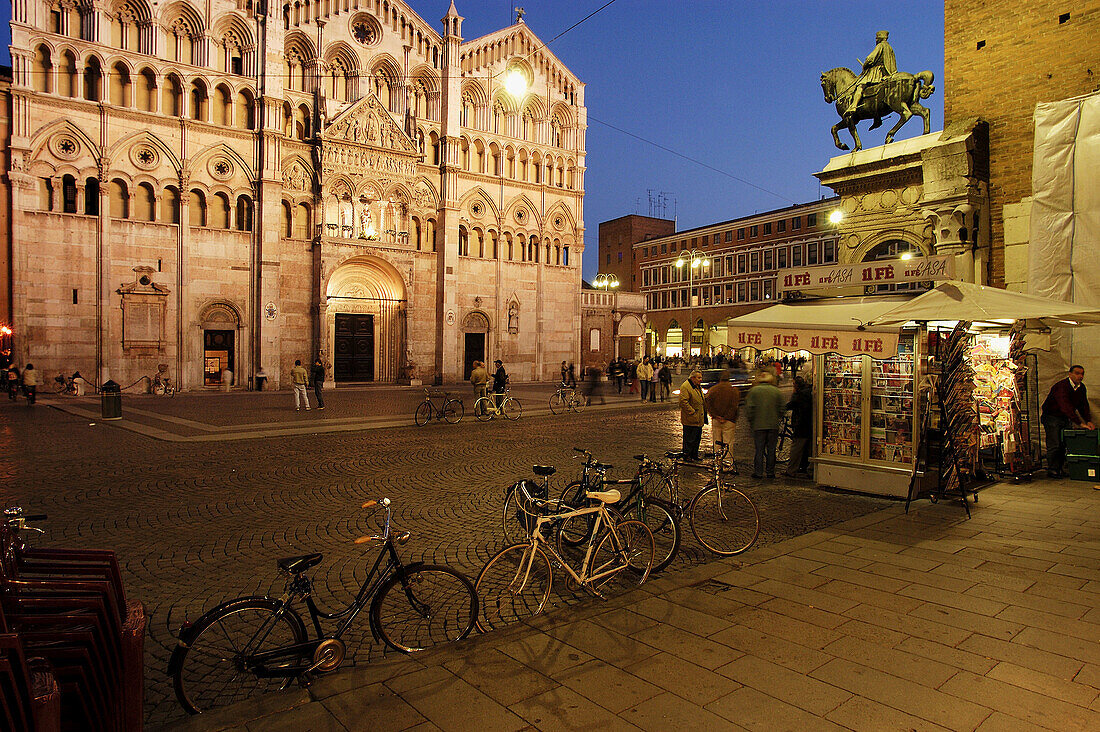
{"type": "Point", "coordinates": [1064, 249]}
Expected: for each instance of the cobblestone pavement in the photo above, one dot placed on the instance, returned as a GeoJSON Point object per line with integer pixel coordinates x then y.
{"type": "Point", "coordinates": [195, 524]}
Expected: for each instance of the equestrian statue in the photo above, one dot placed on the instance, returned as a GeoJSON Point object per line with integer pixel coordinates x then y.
{"type": "Point", "coordinates": [878, 91]}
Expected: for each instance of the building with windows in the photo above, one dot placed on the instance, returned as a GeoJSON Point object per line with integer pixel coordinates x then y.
{"type": "Point", "coordinates": [237, 184]}
{"type": "Point", "coordinates": [734, 272]}
{"type": "Point", "coordinates": [616, 245]}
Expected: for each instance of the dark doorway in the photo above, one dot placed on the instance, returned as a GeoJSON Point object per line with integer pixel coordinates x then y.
{"type": "Point", "coordinates": [475, 351]}
{"type": "Point", "coordinates": [354, 347]}
{"type": "Point", "coordinates": [217, 353]}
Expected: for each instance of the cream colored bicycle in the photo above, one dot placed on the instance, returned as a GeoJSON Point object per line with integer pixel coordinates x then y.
{"type": "Point", "coordinates": [516, 583]}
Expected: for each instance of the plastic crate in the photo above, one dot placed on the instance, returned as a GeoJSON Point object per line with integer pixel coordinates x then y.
{"type": "Point", "coordinates": [1083, 467]}
{"type": "Point", "coordinates": [1081, 442]}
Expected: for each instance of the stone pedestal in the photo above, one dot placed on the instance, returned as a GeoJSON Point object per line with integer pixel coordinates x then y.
{"type": "Point", "coordinates": [929, 192]}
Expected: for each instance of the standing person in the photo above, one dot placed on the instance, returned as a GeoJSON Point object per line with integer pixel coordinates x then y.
{"type": "Point", "coordinates": [30, 383]}
{"type": "Point", "coordinates": [564, 371]}
{"type": "Point", "coordinates": [801, 407]}
{"type": "Point", "coordinates": [595, 385]}
{"type": "Point", "coordinates": [654, 380]}
{"type": "Point", "coordinates": [317, 373]}
{"type": "Point", "coordinates": [723, 403]}
{"type": "Point", "coordinates": [764, 410]}
{"type": "Point", "coordinates": [693, 414]}
{"type": "Point", "coordinates": [14, 380]}
{"type": "Point", "coordinates": [227, 379]}
{"type": "Point", "coordinates": [665, 380]}
{"type": "Point", "coordinates": [571, 376]}
{"type": "Point", "coordinates": [633, 377]}
{"type": "Point", "coordinates": [298, 379]}
{"type": "Point", "coordinates": [620, 374]}
{"type": "Point", "coordinates": [261, 378]}
{"type": "Point", "coordinates": [500, 380]}
{"type": "Point", "coordinates": [1066, 405]}
{"type": "Point", "coordinates": [479, 377]}
{"type": "Point", "coordinates": [645, 376]}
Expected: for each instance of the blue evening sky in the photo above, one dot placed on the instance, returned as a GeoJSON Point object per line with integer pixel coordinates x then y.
{"type": "Point", "coordinates": [730, 83]}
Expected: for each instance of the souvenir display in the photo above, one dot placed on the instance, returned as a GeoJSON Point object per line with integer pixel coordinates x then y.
{"type": "Point", "coordinates": [892, 406]}
{"type": "Point", "coordinates": [842, 415]}
{"type": "Point", "coordinates": [956, 397]}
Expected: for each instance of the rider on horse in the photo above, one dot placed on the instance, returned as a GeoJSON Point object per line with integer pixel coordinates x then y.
{"type": "Point", "coordinates": [879, 64]}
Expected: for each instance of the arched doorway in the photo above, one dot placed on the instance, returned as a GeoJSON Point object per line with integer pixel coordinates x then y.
{"type": "Point", "coordinates": [475, 334]}
{"type": "Point", "coordinates": [220, 323]}
{"type": "Point", "coordinates": [629, 337]}
{"type": "Point", "coordinates": [674, 340]}
{"type": "Point", "coordinates": [889, 250]}
{"type": "Point", "coordinates": [365, 321]}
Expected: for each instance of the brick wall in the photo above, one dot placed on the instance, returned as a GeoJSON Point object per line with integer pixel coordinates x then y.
{"type": "Point", "coordinates": [1027, 55]}
{"type": "Point", "coordinates": [617, 238]}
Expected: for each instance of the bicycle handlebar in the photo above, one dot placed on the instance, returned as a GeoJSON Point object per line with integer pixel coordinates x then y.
{"type": "Point", "coordinates": [384, 503]}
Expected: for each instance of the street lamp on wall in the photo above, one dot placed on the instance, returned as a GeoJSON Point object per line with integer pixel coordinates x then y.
{"type": "Point", "coordinates": [693, 259]}
{"type": "Point", "coordinates": [605, 281]}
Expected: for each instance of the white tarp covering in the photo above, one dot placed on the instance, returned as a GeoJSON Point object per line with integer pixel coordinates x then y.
{"type": "Point", "coordinates": [1064, 246]}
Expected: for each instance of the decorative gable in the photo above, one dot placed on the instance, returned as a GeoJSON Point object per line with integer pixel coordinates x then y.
{"type": "Point", "coordinates": [368, 123]}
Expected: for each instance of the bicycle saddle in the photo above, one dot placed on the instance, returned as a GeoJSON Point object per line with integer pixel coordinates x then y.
{"type": "Point", "coordinates": [294, 565]}
{"type": "Point", "coordinates": [543, 471]}
{"type": "Point", "coordinates": [674, 455]}
{"type": "Point", "coordinates": [611, 496]}
{"type": "Point", "coordinates": [602, 466]}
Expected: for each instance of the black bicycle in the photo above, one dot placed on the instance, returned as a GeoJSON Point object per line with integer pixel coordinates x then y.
{"type": "Point", "coordinates": [451, 408]}
{"type": "Point", "coordinates": [254, 644]}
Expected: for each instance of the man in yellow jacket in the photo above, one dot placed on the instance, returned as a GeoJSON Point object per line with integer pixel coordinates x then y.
{"type": "Point", "coordinates": [693, 414]}
{"type": "Point", "coordinates": [645, 376]}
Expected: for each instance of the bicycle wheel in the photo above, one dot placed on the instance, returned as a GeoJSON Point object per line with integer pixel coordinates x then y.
{"type": "Point", "coordinates": [724, 520]}
{"type": "Point", "coordinates": [211, 670]}
{"type": "Point", "coordinates": [483, 409]}
{"type": "Point", "coordinates": [577, 402]}
{"type": "Point", "coordinates": [423, 414]}
{"type": "Point", "coordinates": [558, 403]}
{"type": "Point", "coordinates": [518, 519]}
{"type": "Point", "coordinates": [513, 585]}
{"type": "Point", "coordinates": [656, 485]}
{"type": "Point", "coordinates": [783, 444]}
{"type": "Point", "coordinates": [428, 606]}
{"type": "Point", "coordinates": [663, 525]}
{"type": "Point", "coordinates": [627, 553]}
{"type": "Point", "coordinates": [453, 411]}
{"type": "Point", "coordinates": [575, 530]}
{"type": "Point", "coordinates": [512, 409]}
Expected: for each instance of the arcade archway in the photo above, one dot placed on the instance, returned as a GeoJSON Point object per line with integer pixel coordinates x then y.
{"type": "Point", "coordinates": [365, 321]}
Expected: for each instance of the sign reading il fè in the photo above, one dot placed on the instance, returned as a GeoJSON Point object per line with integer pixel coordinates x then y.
{"type": "Point", "coordinates": [861, 274]}
{"type": "Point", "coordinates": [845, 342]}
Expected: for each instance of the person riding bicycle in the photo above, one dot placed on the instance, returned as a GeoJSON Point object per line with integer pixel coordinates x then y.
{"type": "Point", "coordinates": [500, 380]}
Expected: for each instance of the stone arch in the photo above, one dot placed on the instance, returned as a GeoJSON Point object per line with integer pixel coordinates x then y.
{"type": "Point", "coordinates": [221, 336]}
{"type": "Point", "coordinates": [364, 320]}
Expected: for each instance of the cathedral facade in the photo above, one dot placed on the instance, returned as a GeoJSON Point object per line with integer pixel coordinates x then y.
{"type": "Point", "coordinates": [233, 185]}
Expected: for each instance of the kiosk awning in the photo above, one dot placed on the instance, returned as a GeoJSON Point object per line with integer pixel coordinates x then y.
{"type": "Point", "coordinates": [967, 301]}
{"type": "Point", "coordinates": [837, 325]}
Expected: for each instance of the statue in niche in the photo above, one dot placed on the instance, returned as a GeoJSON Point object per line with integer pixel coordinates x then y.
{"type": "Point", "coordinates": [372, 129]}
{"type": "Point", "coordinates": [513, 318]}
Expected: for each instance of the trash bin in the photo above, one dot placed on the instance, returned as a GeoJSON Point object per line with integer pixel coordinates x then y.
{"type": "Point", "coordinates": [111, 401]}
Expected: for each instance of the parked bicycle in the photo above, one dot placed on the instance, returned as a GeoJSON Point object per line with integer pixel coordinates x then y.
{"type": "Point", "coordinates": [638, 504]}
{"type": "Point", "coordinates": [785, 440]}
{"type": "Point", "coordinates": [253, 644]}
{"type": "Point", "coordinates": [450, 409]}
{"type": "Point", "coordinates": [517, 581]}
{"type": "Point", "coordinates": [496, 405]}
{"type": "Point", "coordinates": [566, 399]}
{"type": "Point", "coordinates": [723, 519]}
{"type": "Point", "coordinates": [67, 385]}
{"type": "Point", "coordinates": [161, 383]}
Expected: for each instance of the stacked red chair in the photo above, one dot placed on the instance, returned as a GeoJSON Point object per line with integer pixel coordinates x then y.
{"type": "Point", "coordinates": [67, 612]}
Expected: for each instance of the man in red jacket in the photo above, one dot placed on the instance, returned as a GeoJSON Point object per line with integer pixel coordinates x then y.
{"type": "Point", "coordinates": [1066, 406]}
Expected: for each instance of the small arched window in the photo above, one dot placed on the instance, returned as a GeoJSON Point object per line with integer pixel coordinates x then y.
{"type": "Point", "coordinates": [119, 199]}
{"type": "Point", "coordinates": [68, 194]}
{"type": "Point", "coordinates": [197, 208]}
{"type": "Point", "coordinates": [91, 196]}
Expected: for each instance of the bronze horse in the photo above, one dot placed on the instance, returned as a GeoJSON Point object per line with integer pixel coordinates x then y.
{"type": "Point", "coordinates": [898, 92]}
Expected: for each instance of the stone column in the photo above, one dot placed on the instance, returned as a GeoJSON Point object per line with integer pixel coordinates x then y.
{"type": "Point", "coordinates": [950, 235]}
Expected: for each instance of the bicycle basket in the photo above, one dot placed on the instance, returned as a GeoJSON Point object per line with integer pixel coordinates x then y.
{"type": "Point", "coordinates": [530, 505]}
